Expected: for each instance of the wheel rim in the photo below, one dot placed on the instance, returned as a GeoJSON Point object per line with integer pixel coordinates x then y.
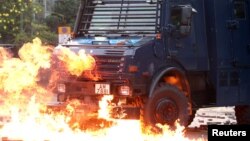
{"type": "Point", "coordinates": [166, 112]}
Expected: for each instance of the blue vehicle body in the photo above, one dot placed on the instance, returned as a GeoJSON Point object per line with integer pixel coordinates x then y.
{"type": "Point", "coordinates": [201, 47]}
{"type": "Point", "coordinates": [228, 37]}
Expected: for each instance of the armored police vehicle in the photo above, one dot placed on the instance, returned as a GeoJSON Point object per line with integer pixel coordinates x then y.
{"type": "Point", "coordinates": [163, 59]}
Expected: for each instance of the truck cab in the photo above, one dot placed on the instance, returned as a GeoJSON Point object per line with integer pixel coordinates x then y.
{"type": "Point", "coordinates": [162, 59]}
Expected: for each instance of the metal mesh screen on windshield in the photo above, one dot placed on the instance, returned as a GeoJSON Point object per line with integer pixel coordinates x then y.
{"type": "Point", "coordinates": [102, 17]}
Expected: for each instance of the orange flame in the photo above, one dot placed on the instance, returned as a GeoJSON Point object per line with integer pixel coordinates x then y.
{"type": "Point", "coordinates": [23, 101]}
{"type": "Point", "coordinates": [4, 55]}
{"type": "Point", "coordinates": [76, 64]}
{"type": "Point", "coordinates": [105, 107]}
{"type": "Point", "coordinates": [19, 76]}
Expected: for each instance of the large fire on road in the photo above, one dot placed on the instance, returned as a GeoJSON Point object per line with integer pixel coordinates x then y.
{"type": "Point", "coordinates": [23, 100]}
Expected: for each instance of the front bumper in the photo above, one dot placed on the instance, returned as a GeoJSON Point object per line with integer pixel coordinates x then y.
{"type": "Point", "coordinates": [81, 89]}
{"type": "Point", "coordinates": [122, 106]}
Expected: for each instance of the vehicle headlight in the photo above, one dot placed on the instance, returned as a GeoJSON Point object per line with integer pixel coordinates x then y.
{"type": "Point", "coordinates": [124, 90]}
{"type": "Point", "coordinates": [61, 88]}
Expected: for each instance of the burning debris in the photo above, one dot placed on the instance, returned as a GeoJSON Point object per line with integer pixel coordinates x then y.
{"type": "Point", "coordinates": [24, 101]}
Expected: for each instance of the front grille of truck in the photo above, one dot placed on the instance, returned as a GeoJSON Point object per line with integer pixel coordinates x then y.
{"type": "Point", "coordinates": [110, 66]}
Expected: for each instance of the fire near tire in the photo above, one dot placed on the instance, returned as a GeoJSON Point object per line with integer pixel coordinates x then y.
{"type": "Point", "coordinates": [166, 105]}
{"type": "Point", "coordinates": [242, 114]}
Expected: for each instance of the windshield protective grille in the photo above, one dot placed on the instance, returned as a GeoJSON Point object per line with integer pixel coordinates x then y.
{"type": "Point", "coordinates": [100, 17]}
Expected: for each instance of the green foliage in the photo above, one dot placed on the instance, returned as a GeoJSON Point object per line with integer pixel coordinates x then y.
{"type": "Point", "coordinates": [54, 22]}
{"type": "Point", "coordinates": [21, 37]}
{"type": "Point", "coordinates": [67, 11]}
{"type": "Point", "coordinates": [10, 13]}
{"type": "Point", "coordinates": [20, 22]}
{"type": "Point", "coordinates": [43, 32]}
{"type": "Point", "coordinates": [39, 30]}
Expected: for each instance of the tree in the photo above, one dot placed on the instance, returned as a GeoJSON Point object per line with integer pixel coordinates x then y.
{"type": "Point", "coordinates": [67, 11]}
{"type": "Point", "coordinates": [39, 30]}
{"type": "Point", "coordinates": [11, 13]}
{"type": "Point", "coordinates": [64, 14]}
{"type": "Point", "coordinates": [20, 22]}
{"type": "Point", "coordinates": [54, 21]}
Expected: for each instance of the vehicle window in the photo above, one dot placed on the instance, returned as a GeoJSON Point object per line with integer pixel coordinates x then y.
{"type": "Point", "coordinates": [239, 10]}
{"type": "Point", "coordinates": [176, 17]}
{"type": "Point", "coordinates": [124, 16]}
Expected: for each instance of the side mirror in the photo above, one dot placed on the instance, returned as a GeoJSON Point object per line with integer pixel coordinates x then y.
{"type": "Point", "coordinates": [181, 18]}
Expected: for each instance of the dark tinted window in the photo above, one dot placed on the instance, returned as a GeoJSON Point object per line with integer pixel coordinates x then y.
{"type": "Point", "coordinates": [239, 10]}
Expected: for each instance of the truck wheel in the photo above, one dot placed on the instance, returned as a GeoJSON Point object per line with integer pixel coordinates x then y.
{"type": "Point", "coordinates": [167, 105]}
{"type": "Point", "coordinates": [242, 114]}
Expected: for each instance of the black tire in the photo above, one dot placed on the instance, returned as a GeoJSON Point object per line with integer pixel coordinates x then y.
{"type": "Point", "coordinates": [166, 106]}
{"type": "Point", "coordinates": [242, 114]}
